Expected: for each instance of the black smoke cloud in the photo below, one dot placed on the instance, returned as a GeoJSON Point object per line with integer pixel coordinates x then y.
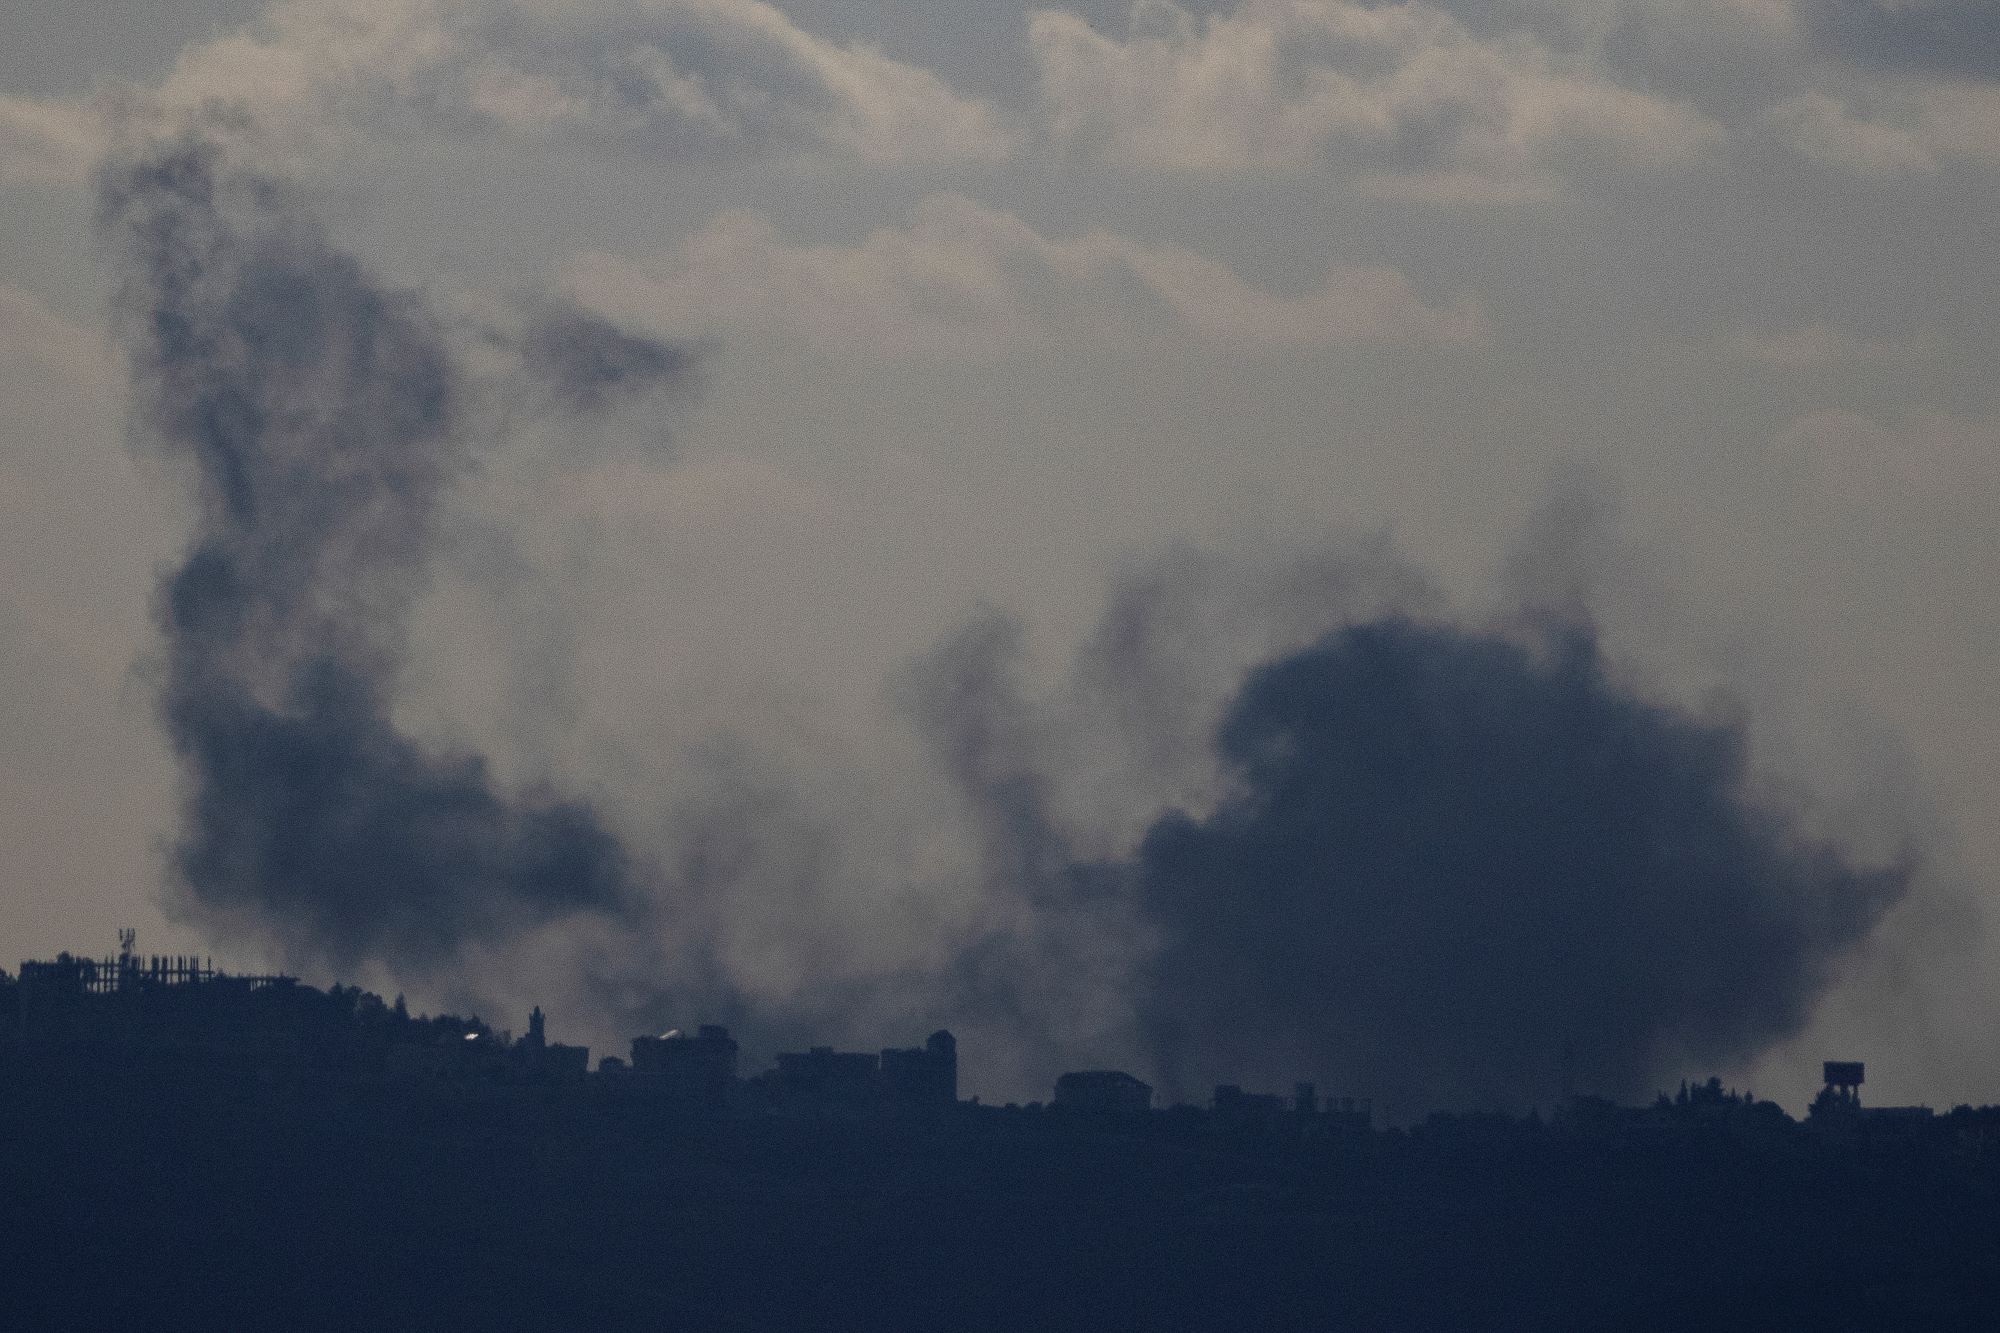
{"type": "Point", "coordinates": [586, 363]}
{"type": "Point", "coordinates": [1439, 857]}
{"type": "Point", "coordinates": [1447, 857]}
{"type": "Point", "coordinates": [323, 416]}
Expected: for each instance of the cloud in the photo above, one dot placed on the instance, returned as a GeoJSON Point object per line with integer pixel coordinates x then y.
{"type": "Point", "coordinates": [1897, 129]}
{"type": "Point", "coordinates": [1820, 127]}
{"type": "Point", "coordinates": [1817, 346]}
{"type": "Point", "coordinates": [1395, 91]}
{"type": "Point", "coordinates": [48, 142]}
{"type": "Point", "coordinates": [961, 278]}
{"type": "Point", "coordinates": [668, 79]}
{"type": "Point", "coordinates": [1926, 471]}
{"type": "Point", "coordinates": [705, 496]}
{"type": "Point", "coordinates": [36, 338]}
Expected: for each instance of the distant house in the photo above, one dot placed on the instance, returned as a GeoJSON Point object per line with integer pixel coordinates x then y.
{"type": "Point", "coordinates": [922, 1075]}
{"type": "Point", "coordinates": [823, 1078]}
{"type": "Point", "coordinates": [701, 1068]}
{"type": "Point", "coordinates": [1104, 1090]}
{"type": "Point", "coordinates": [1236, 1106]}
{"type": "Point", "coordinates": [1905, 1118]}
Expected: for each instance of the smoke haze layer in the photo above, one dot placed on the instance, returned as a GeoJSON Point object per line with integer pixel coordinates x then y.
{"type": "Point", "coordinates": [1452, 863]}
{"type": "Point", "coordinates": [322, 414]}
{"type": "Point", "coordinates": [1418, 862]}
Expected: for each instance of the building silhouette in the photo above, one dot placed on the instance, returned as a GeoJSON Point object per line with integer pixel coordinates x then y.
{"type": "Point", "coordinates": [925, 1075]}
{"type": "Point", "coordinates": [180, 1014]}
{"type": "Point", "coordinates": [701, 1068]}
{"type": "Point", "coordinates": [1111, 1091]}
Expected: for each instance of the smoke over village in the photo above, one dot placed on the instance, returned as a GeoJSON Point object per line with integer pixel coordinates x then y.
{"type": "Point", "coordinates": [794, 664]}
{"type": "Point", "coordinates": [1431, 855]}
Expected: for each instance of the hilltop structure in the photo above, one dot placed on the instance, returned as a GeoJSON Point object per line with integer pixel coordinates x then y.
{"type": "Point", "coordinates": [136, 1012]}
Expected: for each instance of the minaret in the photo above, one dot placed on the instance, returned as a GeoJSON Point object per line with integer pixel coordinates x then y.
{"type": "Point", "coordinates": [943, 1052]}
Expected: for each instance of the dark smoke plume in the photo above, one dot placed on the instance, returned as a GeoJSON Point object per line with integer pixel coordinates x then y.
{"type": "Point", "coordinates": [1051, 963]}
{"type": "Point", "coordinates": [1448, 857]}
{"type": "Point", "coordinates": [323, 415]}
{"type": "Point", "coordinates": [585, 362]}
{"type": "Point", "coordinates": [1439, 859]}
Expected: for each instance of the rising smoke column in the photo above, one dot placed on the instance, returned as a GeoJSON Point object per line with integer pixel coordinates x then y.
{"type": "Point", "coordinates": [323, 418]}
{"type": "Point", "coordinates": [1047, 968]}
{"type": "Point", "coordinates": [1449, 856]}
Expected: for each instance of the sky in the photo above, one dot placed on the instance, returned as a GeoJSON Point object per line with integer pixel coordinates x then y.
{"type": "Point", "coordinates": [951, 334]}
